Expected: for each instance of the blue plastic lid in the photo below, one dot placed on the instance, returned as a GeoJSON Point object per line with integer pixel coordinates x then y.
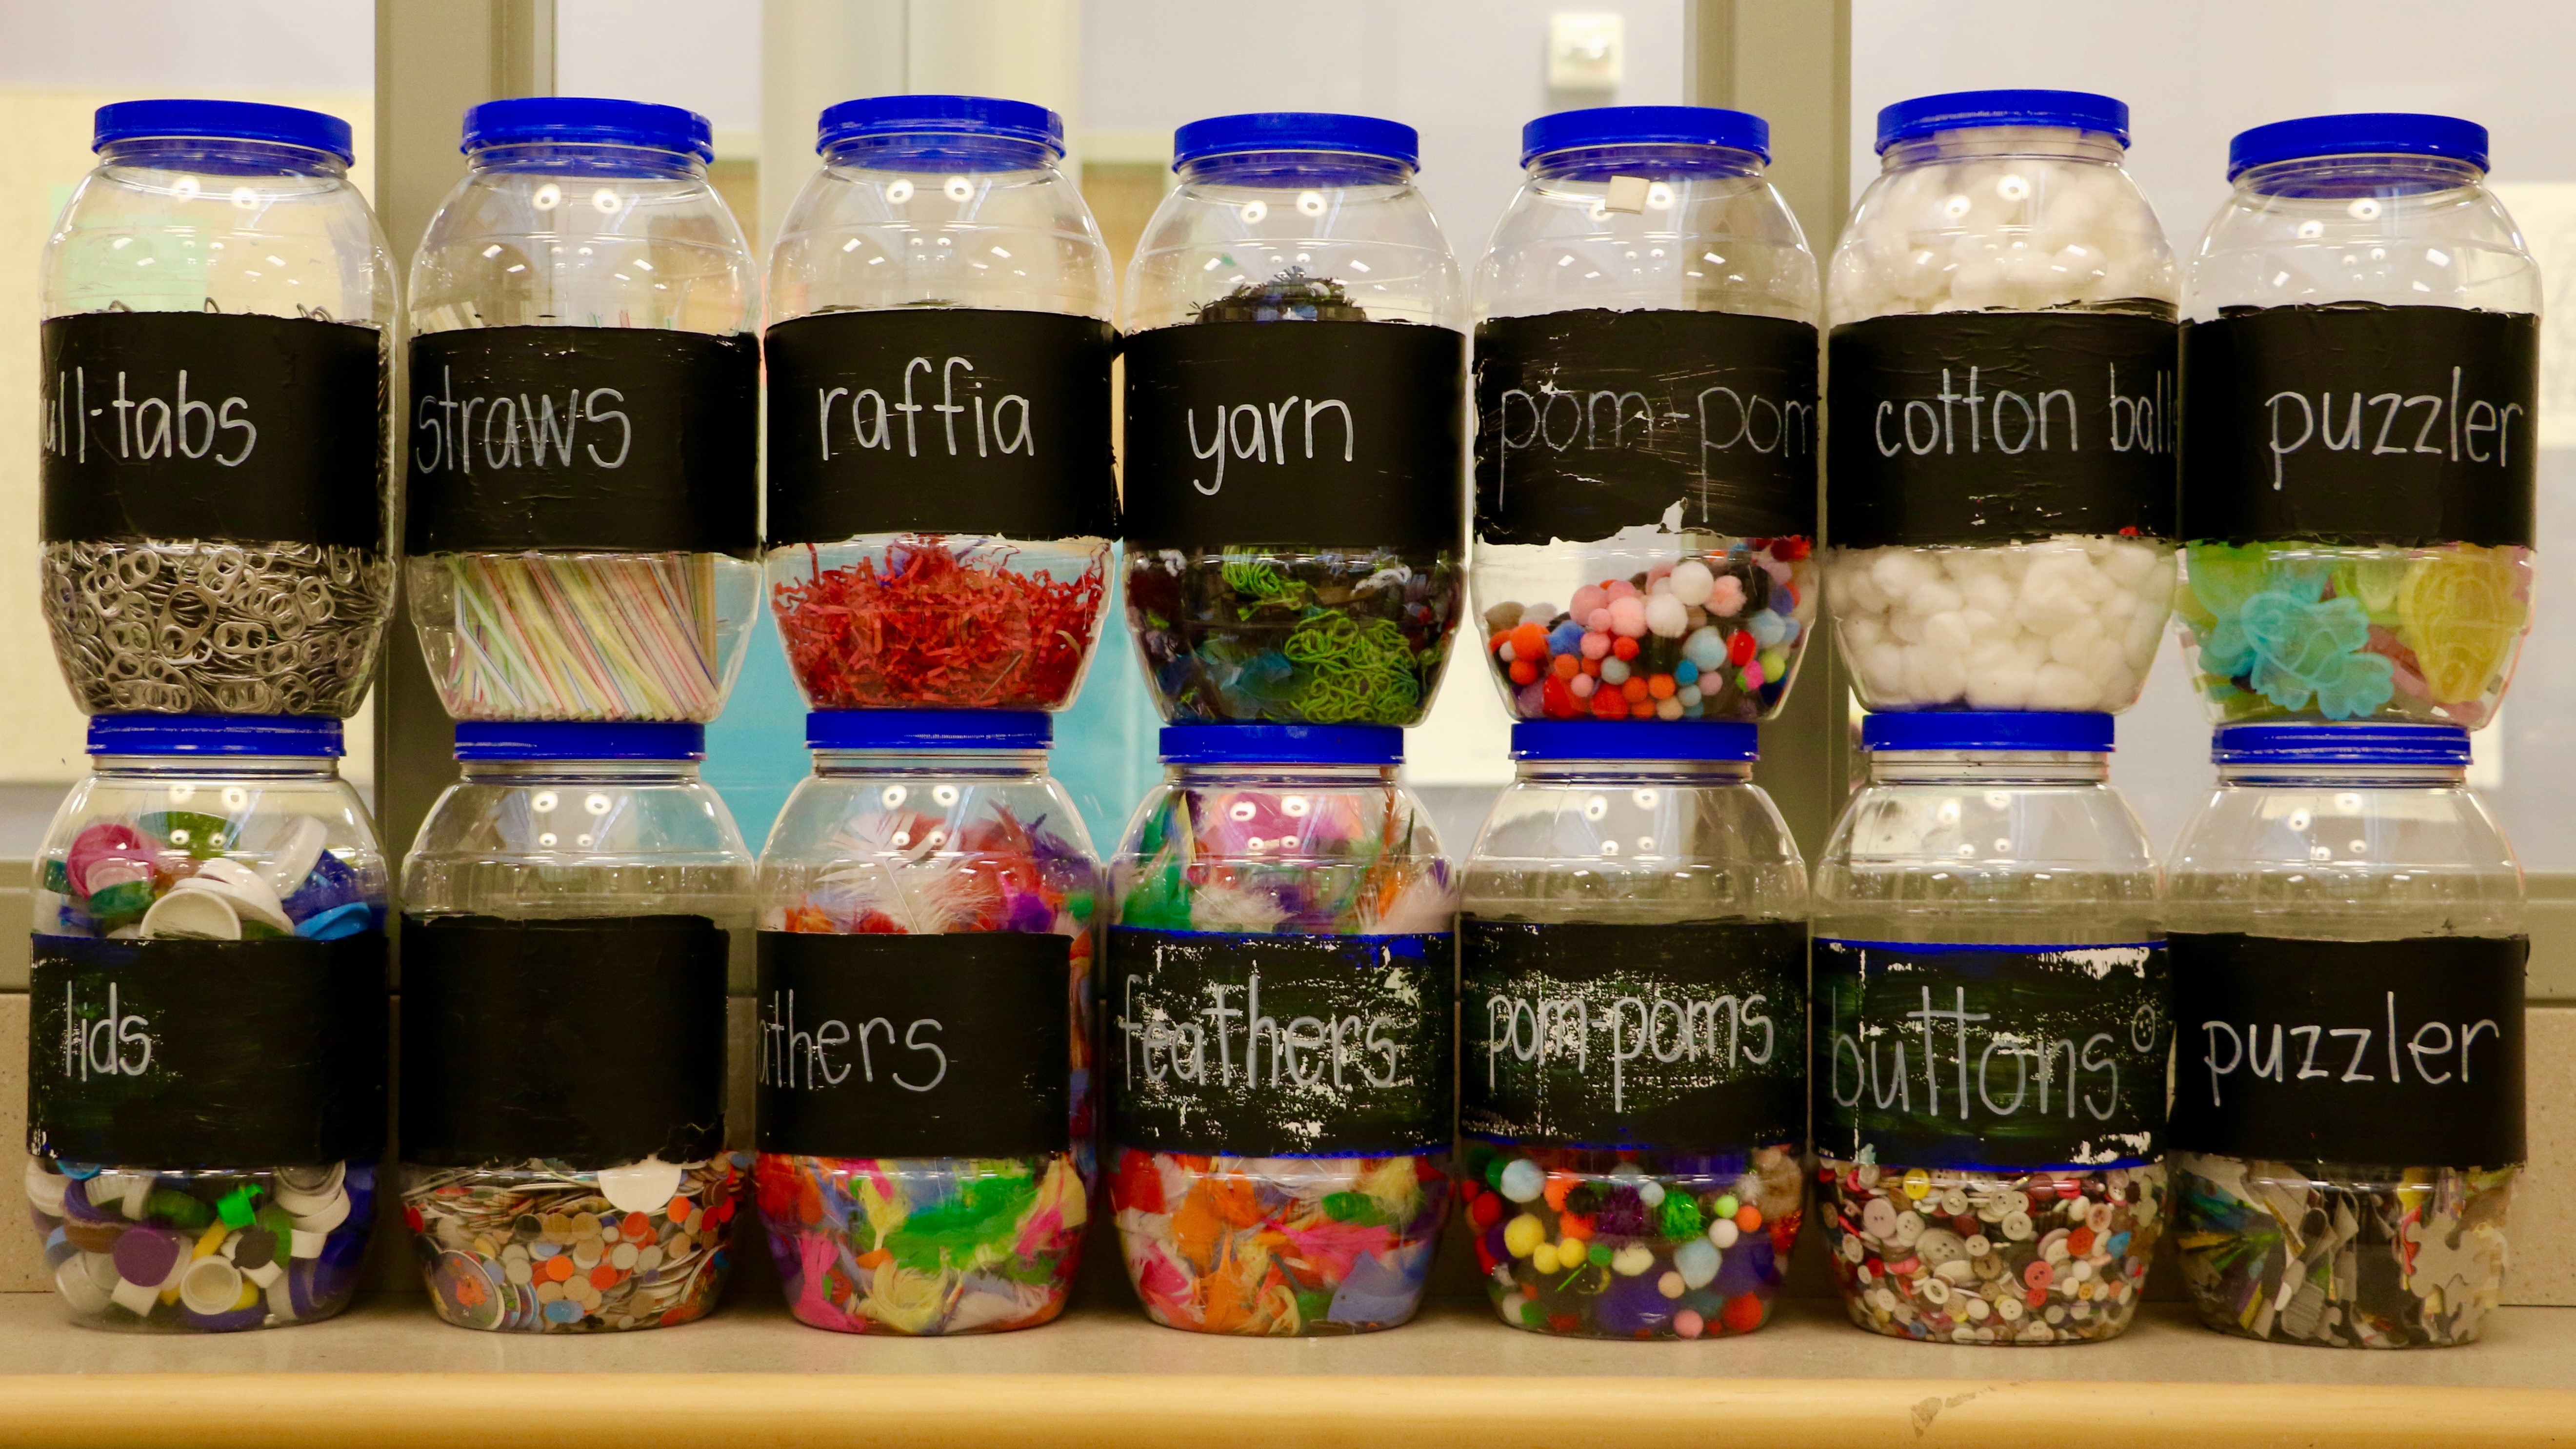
{"type": "Point", "coordinates": [928, 729]}
{"type": "Point", "coordinates": [1655, 739]}
{"type": "Point", "coordinates": [583, 120]}
{"type": "Point", "coordinates": [1282, 744]}
{"type": "Point", "coordinates": [213, 734]}
{"type": "Point", "coordinates": [222, 121]}
{"type": "Point", "coordinates": [1958, 110]}
{"type": "Point", "coordinates": [553, 739]}
{"type": "Point", "coordinates": [2319, 742]}
{"type": "Point", "coordinates": [876, 116]}
{"type": "Point", "coordinates": [2364, 133]}
{"type": "Point", "coordinates": [1646, 126]}
{"type": "Point", "coordinates": [1972, 729]}
{"type": "Point", "coordinates": [1296, 131]}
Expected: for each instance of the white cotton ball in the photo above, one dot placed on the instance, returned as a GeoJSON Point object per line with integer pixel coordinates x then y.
{"type": "Point", "coordinates": [2048, 603]}
{"type": "Point", "coordinates": [1986, 589]}
{"type": "Point", "coordinates": [2064, 687]}
{"type": "Point", "coordinates": [1948, 631]}
{"type": "Point", "coordinates": [2073, 643]}
{"type": "Point", "coordinates": [2128, 563]}
{"type": "Point", "coordinates": [1935, 676]}
{"type": "Point", "coordinates": [2138, 644]}
{"type": "Point", "coordinates": [1985, 625]}
{"type": "Point", "coordinates": [1882, 668]}
{"type": "Point", "coordinates": [2115, 608]}
{"type": "Point", "coordinates": [2105, 661]}
{"type": "Point", "coordinates": [1977, 285]}
{"type": "Point", "coordinates": [1933, 596]}
{"type": "Point", "coordinates": [1692, 583]}
{"type": "Point", "coordinates": [2033, 649]}
{"type": "Point", "coordinates": [1667, 616]}
{"type": "Point", "coordinates": [1906, 626]}
{"type": "Point", "coordinates": [1862, 631]}
{"type": "Point", "coordinates": [1899, 571]}
{"type": "Point", "coordinates": [1998, 678]}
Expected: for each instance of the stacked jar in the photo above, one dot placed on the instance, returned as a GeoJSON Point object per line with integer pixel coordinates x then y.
{"type": "Point", "coordinates": [220, 319]}
{"type": "Point", "coordinates": [942, 497]}
{"type": "Point", "coordinates": [1295, 403]}
{"type": "Point", "coordinates": [1632, 1089]}
{"type": "Point", "coordinates": [2363, 362]}
{"type": "Point", "coordinates": [569, 911]}
{"type": "Point", "coordinates": [1280, 990]}
{"type": "Point", "coordinates": [582, 516]}
{"type": "Point", "coordinates": [926, 907]}
{"type": "Point", "coordinates": [2348, 948]}
{"type": "Point", "coordinates": [1646, 441]}
{"type": "Point", "coordinates": [206, 1094]}
{"type": "Point", "coordinates": [2001, 513]}
{"type": "Point", "coordinates": [206, 1100]}
{"type": "Point", "coordinates": [1991, 1033]}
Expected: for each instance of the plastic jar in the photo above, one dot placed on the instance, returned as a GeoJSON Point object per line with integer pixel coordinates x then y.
{"type": "Point", "coordinates": [206, 1102]}
{"type": "Point", "coordinates": [2357, 502]}
{"type": "Point", "coordinates": [926, 904]}
{"type": "Point", "coordinates": [1646, 422]}
{"type": "Point", "coordinates": [1990, 1033]}
{"type": "Point", "coordinates": [2348, 946]}
{"type": "Point", "coordinates": [2001, 505]}
{"type": "Point", "coordinates": [220, 317]}
{"type": "Point", "coordinates": [1296, 418]}
{"type": "Point", "coordinates": [568, 912]}
{"type": "Point", "coordinates": [1633, 1001]}
{"type": "Point", "coordinates": [1279, 1037]}
{"type": "Point", "coordinates": [581, 529]}
{"type": "Point", "coordinates": [941, 491]}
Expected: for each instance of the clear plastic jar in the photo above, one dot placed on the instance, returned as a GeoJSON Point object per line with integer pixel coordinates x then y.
{"type": "Point", "coordinates": [568, 912]}
{"type": "Point", "coordinates": [581, 528]}
{"type": "Point", "coordinates": [2346, 1185]}
{"type": "Point", "coordinates": [941, 491]}
{"type": "Point", "coordinates": [1646, 423]}
{"type": "Point", "coordinates": [209, 967]}
{"type": "Point", "coordinates": [1282, 890]}
{"type": "Point", "coordinates": [220, 317]}
{"type": "Point", "coordinates": [1296, 411]}
{"type": "Point", "coordinates": [1990, 1034]}
{"type": "Point", "coordinates": [2001, 510]}
{"type": "Point", "coordinates": [1633, 1001]}
{"type": "Point", "coordinates": [2357, 505]}
{"type": "Point", "coordinates": [930, 882]}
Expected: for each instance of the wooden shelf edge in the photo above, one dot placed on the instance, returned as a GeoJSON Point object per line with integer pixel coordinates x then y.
{"type": "Point", "coordinates": [1112, 1411]}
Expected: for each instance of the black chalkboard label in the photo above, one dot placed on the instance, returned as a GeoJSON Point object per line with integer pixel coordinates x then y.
{"type": "Point", "coordinates": [2388, 1053]}
{"type": "Point", "coordinates": [1270, 1046]}
{"type": "Point", "coordinates": [1589, 421]}
{"type": "Point", "coordinates": [593, 1042]}
{"type": "Point", "coordinates": [1687, 1036]}
{"type": "Point", "coordinates": [2000, 427]}
{"type": "Point", "coordinates": [1991, 1057]}
{"type": "Point", "coordinates": [1335, 434]}
{"type": "Point", "coordinates": [182, 425]}
{"type": "Point", "coordinates": [2362, 424]}
{"type": "Point", "coordinates": [915, 1046]}
{"type": "Point", "coordinates": [631, 439]}
{"type": "Point", "coordinates": [212, 1054]}
{"type": "Point", "coordinates": [940, 420]}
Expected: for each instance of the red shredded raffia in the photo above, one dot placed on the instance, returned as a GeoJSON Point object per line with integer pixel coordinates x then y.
{"type": "Point", "coordinates": [938, 627]}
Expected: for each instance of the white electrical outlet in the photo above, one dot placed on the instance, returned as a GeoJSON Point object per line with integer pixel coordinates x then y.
{"type": "Point", "coordinates": [1584, 51]}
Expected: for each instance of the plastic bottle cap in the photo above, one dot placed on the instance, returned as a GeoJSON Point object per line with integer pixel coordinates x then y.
{"type": "Point", "coordinates": [928, 729]}
{"type": "Point", "coordinates": [1646, 126]}
{"type": "Point", "coordinates": [1296, 131]}
{"type": "Point", "coordinates": [1592, 739]}
{"type": "Point", "coordinates": [222, 121]}
{"type": "Point", "coordinates": [1962, 110]}
{"type": "Point", "coordinates": [2321, 742]}
{"type": "Point", "coordinates": [580, 740]}
{"type": "Point", "coordinates": [2363, 133]}
{"type": "Point", "coordinates": [272, 735]}
{"type": "Point", "coordinates": [583, 120]}
{"type": "Point", "coordinates": [871, 116]}
{"type": "Point", "coordinates": [1282, 744]}
{"type": "Point", "coordinates": [1987, 730]}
